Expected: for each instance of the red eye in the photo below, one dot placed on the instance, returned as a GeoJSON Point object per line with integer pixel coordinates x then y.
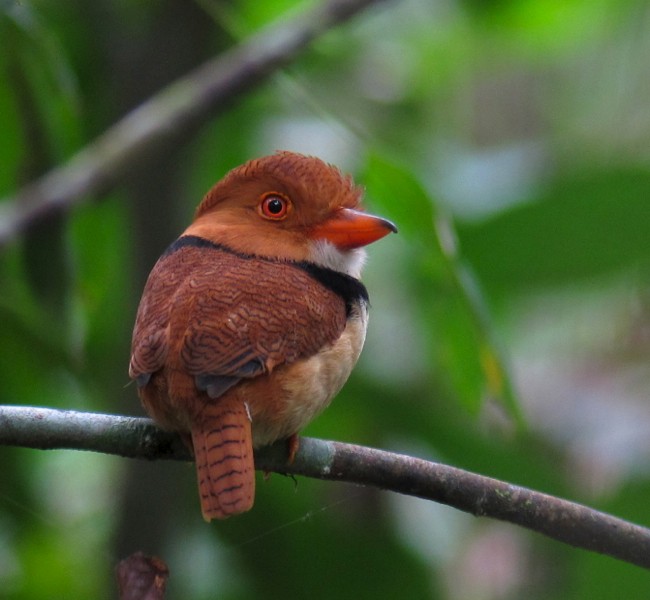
{"type": "Point", "coordinates": [274, 206]}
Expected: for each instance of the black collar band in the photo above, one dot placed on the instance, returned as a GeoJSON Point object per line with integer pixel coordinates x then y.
{"type": "Point", "coordinates": [351, 290]}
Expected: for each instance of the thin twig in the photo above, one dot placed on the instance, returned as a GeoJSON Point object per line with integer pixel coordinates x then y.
{"type": "Point", "coordinates": [556, 518]}
{"type": "Point", "coordinates": [179, 108]}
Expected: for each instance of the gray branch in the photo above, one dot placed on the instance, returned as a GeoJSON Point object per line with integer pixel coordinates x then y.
{"type": "Point", "coordinates": [565, 521]}
{"type": "Point", "coordinates": [181, 107]}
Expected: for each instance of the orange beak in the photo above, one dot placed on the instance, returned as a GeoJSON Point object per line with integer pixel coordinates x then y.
{"type": "Point", "coordinates": [348, 229]}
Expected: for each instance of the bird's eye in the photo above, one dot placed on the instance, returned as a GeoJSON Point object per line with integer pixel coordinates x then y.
{"type": "Point", "coordinates": [274, 206]}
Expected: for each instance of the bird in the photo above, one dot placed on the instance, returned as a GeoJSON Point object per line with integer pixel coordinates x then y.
{"type": "Point", "coordinates": [253, 319]}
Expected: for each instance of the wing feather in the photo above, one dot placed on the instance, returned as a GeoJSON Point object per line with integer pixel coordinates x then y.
{"type": "Point", "coordinates": [222, 317]}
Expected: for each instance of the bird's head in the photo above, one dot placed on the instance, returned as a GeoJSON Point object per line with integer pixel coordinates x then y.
{"type": "Point", "coordinates": [293, 207]}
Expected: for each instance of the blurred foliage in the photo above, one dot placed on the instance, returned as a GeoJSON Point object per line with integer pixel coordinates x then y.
{"type": "Point", "coordinates": [508, 140]}
{"type": "Point", "coordinates": [461, 339]}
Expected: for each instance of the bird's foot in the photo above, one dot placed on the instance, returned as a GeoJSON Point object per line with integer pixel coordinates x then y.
{"type": "Point", "coordinates": [293, 444]}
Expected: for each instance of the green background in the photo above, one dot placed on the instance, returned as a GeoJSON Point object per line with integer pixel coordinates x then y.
{"type": "Point", "coordinates": [510, 324]}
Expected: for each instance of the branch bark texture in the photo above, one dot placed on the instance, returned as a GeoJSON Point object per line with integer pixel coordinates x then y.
{"type": "Point", "coordinates": [181, 107]}
{"type": "Point", "coordinates": [559, 519]}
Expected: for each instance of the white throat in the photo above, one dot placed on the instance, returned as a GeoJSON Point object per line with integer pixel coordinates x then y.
{"type": "Point", "coordinates": [327, 255]}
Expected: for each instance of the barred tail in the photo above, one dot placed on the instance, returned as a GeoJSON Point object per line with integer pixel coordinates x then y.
{"type": "Point", "coordinates": [223, 451]}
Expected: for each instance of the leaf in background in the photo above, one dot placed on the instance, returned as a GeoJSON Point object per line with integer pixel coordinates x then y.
{"type": "Point", "coordinates": [36, 48]}
{"type": "Point", "coordinates": [459, 330]}
{"type": "Point", "coordinates": [256, 14]}
{"type": "Point", "coordinates": [581, 226]}
{"type": "Point", "coordinates": [42, 98]}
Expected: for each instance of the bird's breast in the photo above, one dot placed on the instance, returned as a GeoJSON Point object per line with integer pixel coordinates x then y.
{"type": "Point", "coordinates": [284, 402]}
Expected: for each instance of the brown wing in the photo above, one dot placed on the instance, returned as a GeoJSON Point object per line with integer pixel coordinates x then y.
{"type": "Point", "coordinates": [221, 317]}
{"type": "Point", "coordinates": [150, 340]}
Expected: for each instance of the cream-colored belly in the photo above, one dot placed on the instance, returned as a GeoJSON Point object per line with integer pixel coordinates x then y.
{"type": "Point", "coordinates": [305, 388]}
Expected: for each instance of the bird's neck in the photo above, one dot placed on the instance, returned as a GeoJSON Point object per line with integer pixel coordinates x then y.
{"type": "Point", "coordinates": [346, 285]}
{"type": "Point", "coordinates": [284, 245]}
{"type": "Point", "coordinates": [327, 255]}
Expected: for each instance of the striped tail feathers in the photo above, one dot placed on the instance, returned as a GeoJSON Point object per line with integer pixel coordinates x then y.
{"type": "Point", "coordinates": [223, 452]}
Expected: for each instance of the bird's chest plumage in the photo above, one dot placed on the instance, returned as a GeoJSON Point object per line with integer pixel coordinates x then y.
{"type": "Point", "coordinates": [213, 325]}
{"type": "Point", "coordinates": [294, 394]}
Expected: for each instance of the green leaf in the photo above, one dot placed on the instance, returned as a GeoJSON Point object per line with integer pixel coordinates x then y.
{"type": "Point", "coordinates": [579, 227]}
{"type": "Point", "coordinates": [458, 327]}
{"type": "Point", "coordinates": [40, 61]}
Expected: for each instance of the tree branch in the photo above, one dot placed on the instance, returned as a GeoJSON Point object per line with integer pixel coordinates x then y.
{"type": "Point", "coordinates": [556, 518]}
{"type": "Point", "coordinates": [181, 107]}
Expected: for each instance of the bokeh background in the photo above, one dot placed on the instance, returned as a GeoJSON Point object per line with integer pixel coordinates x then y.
{"type": "Point", "coordinates": [510, 326]}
